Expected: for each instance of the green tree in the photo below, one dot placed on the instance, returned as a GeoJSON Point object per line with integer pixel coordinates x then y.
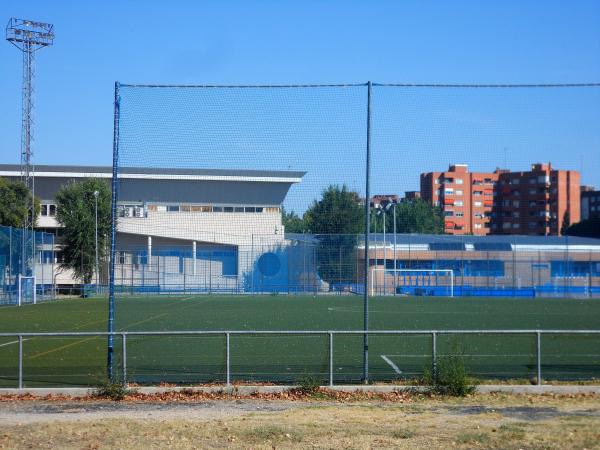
{"type": "Point", "coordinates": [566, 224]}
{"type": "Point", "coordinates": [292, 222]}
{"type": "Point", "coordinates": [75, 211]}
{"type": "Point", "coordinates": [336, 219]}
{"type": "Point", "coordinates": [585, 228]}
{"type": "Point", "coordinates": [14, 197]}
{"type": "Point", "coordinates": [338, 212]}
{"type": "Point", "coordinates": [415, 216]}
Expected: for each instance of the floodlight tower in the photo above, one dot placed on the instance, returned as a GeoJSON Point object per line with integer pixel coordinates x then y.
{"type": "Point", "coordinates": [28, 36]}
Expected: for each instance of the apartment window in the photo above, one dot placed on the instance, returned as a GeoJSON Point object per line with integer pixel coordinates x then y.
{"type": "Point", "coordinates": [477, 192]}
{"type": "Point", "coordinates": [543, 179]}
{"type": "Point", "coordinates": [516, 203]}
{"type": "Point", "coordinates": [217, 209]}
{"type": "Point", "coordinates": [51, 210]}
{"type": "Point", "coordinates": [458, 203]}
{"type": "Point", "coordinates": [459, 192]}
{"type": "Point", "coordinates": [514, 181]}
{"type": "Point", "coordinates": [532, 204]}
{"type": "Point", "coordinates": [506, 202]}
{"type": "Point", "coordinates": [460, 214]}
{"type": "Point", "coordinates": [516, 225]}
{"type": "Point", "coordinates": [152, 208]}
{"type": "Point", "coordinates": [239, 209]}
{"type": "Point", "coordinates": [448, 191]}
{"type": "Point", "coordinates": [437, 203]}
{"type": "Point", "coordinates": [478, 215]}
{"type": "Point", "coordinates": [532, 181]}
{"type": "Point", "coordinates": [186, 208]}
{"type": "Point", "coordinates": [477, 203]}
{"type": "Point", "coordinates": [532, 191]}
{"type": "Point", "coordinates": [477, 226]}
{"type": "Point", "coordinates": [459, 181]}
{"type": "Point", "coordinates": [272, 209]}
{"type": "Point", "coordinates": [228, 209]}
{"type": "Point", "coordinates": [506, 225]}
{"type": "Point", "coordinates": [44, 210]}
{"type": "Point", "coordinates": [516, 193]}
{"type": "Point", "coordinates": [516, 214]}
{"type": "Point", "coordinates": [531, 225]}
{"type": "Point", "coordinates": [172, 208]}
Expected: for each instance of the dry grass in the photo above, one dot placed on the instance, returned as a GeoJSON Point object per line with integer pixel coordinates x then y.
{"type": "Point", "coordinates": [490, 421]}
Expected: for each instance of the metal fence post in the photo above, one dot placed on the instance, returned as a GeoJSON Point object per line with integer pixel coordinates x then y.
{"type": "Point", "coordinates": [228, 358]}
{"type": "Point", "coordinates": [20, 361]}
{"type": "Point", "coordinates": [124, 358]}
{"type": "Point", "coordinates": [434, 356]}
{"type": "Point", "coordinates": [367, 236]}
{"type": "Point", "coordinates": [330, 359]}
{"type": "Point", "coordinates": [539, 358]}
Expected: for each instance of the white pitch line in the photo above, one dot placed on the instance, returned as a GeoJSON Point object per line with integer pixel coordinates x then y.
{"type": "Point", "coordinates": [391, 363]}
{"type": "Point", "coordinates": [13, 342]}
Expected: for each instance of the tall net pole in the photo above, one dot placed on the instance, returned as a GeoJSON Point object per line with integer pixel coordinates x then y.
{"type": "Point", "coordinates": [28, 36]}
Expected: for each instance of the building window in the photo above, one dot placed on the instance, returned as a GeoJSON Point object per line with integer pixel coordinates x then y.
{"type": "Point", "coordinates": [460, 214]}
{"type": "Point", "coordinates": [516, 214]}
{"type": "Point", "coordinates": [478, 226]}
{"type": "Point", "coordinates": [515, 225]}
{"type": "Point", "coordinates": [477, 192]}
{"type": "Point", "coordinates": [172, 208]}
{"type": "Point", "coordinates": [217, 209]}
{"type": "Point", "coordinates": [228, 209]}
{"type": "Point", "coordinates": [477, 204]}
{"type": "Point", "coordinates": [44, 210]}
{"type": "Point", "coordinates": [459, 181]}
{"type": "Point", "coordinates": [459, 192]}
{"type": "Point", "coordinates": [458, 203]}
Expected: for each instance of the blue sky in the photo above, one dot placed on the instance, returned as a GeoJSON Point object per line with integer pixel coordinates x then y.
{"type": "Point", "coordinates": [220, 42]}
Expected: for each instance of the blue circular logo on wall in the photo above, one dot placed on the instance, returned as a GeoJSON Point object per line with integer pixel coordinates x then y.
{"type": "Point", "coordinates": [269, 264]}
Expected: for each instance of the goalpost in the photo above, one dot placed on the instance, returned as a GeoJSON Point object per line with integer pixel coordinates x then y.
{"type": "Point", "coordinates": [394, 281]}
{"type": "Point", "coordinates": [26, 290]}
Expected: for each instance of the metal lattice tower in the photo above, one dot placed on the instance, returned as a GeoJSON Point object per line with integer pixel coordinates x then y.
{"type": "Point", "coordinates": [28, 36]}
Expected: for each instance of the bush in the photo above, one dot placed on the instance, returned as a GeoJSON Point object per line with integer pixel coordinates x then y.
{"type": "Point", "coordinates": [451, 376]}
{"type": "Point", "coordinates": [309, 384]}
{"type": "Point", "coordinates": [111, 391]}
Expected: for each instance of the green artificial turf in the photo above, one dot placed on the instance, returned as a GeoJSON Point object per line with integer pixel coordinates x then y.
{"type": "Point", "coordinates": [288, 358]}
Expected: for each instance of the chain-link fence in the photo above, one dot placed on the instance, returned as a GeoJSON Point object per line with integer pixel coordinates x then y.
{"type": "Point", "coordinates": [42, 283]}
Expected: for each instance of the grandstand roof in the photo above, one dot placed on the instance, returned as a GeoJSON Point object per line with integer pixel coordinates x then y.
{"type": "Point", "coordinates": [158, 173]}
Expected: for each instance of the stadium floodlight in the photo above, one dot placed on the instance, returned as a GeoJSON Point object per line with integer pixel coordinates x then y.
{"type": "Point", "coordinates": [28, 36]}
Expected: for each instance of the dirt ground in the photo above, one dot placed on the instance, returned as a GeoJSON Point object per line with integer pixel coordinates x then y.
{"type": "Point", "coordinates": [479, 421]}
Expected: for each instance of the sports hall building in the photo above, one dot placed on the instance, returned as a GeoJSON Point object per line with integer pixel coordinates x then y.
{"type": "Point", "coordinates": [179, 229]}
{"type": "Point", "coordinates": [525, 266]}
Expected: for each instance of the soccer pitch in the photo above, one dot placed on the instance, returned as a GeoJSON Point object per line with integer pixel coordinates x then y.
{"type": "Point", "coordinates": [62, 361]}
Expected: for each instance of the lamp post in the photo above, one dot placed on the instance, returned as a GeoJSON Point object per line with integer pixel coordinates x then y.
{"type": "Point", "coordinates": [96, 193]}
{"type": "Point", "coordinates": [388, 206]}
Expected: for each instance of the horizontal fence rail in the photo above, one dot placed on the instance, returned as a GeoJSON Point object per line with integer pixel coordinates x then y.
{"type": "Point", "coordinates": [329, 334]}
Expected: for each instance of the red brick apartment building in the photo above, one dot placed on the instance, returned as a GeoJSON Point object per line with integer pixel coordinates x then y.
{"type": "Point", "coordinates": [466, 198]}
{"type": "Point", "coordinates": [535, 202]}
{"type": "Point", "coordinates": [504, 202]}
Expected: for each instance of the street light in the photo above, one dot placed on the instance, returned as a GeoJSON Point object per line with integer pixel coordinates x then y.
{"type": "Point", "coordinates": [96, 193]}
{"type": "Point", "coordinates": [392, 205]}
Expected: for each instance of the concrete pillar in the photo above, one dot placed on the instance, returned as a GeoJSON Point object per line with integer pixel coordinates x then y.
{"type": "Point", "coordinates": [194, 257]}
{"type": "Point", "coordinates": [149, 258]}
